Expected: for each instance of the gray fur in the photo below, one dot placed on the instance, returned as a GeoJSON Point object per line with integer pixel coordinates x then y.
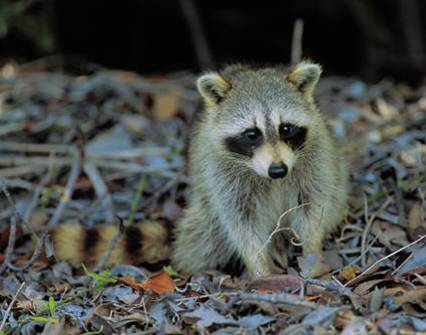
{"type": "Point", "coordinates": [234, 207]}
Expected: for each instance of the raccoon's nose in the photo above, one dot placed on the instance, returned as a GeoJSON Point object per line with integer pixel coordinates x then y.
{"type": "Point", "coordinates": [277, 170]}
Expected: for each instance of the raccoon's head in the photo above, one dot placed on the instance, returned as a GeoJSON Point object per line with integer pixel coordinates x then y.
{"type": "Point", "coordinates": [262, 118]}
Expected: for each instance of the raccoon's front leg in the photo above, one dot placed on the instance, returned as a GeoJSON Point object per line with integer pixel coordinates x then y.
{"type": "Point", "coordinates": [253, 249]}
{"type": "Point", "coordinates": [308, 226]}
{"type": "Point", "coordinates": [200, 244]}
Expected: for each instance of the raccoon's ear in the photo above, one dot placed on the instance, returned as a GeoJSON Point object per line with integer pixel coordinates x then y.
{"type": "Point", "coordinates": [213, 88]}
{"type": "Point", "coordinates": [305, 77]}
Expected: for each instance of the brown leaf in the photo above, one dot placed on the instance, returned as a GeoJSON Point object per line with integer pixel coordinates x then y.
{"type": "Point", "coordinates": [416, 221]}
{"type": "Point", "coordinates": [365, 287]}
{"type": "Point", "coordinates": [166, 105]}
{"type": "Point", "coordinates": [130, 280]}
{"type": "Point", "coordinates": [389, 234]}
{"type": "Point", "coordinates": [348, 273]}
{"type": "Point", "coordinates": [417, 294]}
{"type": "Point", "coordinates": [160, 283]}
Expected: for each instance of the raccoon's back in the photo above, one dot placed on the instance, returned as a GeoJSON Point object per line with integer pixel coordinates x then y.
{"type": "Point", "coordinates": [147, 243]}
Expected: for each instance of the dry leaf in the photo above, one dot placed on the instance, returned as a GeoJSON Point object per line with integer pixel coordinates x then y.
{"type": "Point", "coordinates": [418, 294]}
{"type": "Point", "coordinates": [129, 280]}
{"type": "Point", "coordinates": [366, 286]}
{"type": "Point", "coordinates": [159, 283]}
{"type": "Point", "coordinates": [348, 273]}
{"type": "Point", "coordinates": [165, 105]}
{"type": "Point", "coordinates": [416, 221]}
{"type": "Point", "coordinates": [389, 234]}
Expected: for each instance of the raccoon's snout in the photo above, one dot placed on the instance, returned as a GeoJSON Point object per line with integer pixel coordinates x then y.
{"type": "Point", "coordinates": [277, 170]}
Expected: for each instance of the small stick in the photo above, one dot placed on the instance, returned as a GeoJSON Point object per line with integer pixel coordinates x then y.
{"type": "Point", "coordinates": [278, 228]}
{"type": "Point", "coordinates": [197, 33]}
{"type": "Point", "coordinates": [170, 184]}
{"type": "Point", "coordinates": [19, 183]}
{"type": "Point", "coordinates": [69, 188]}
{"type": "Point", "coordinates": [65, 149]}
{"type": "Point", "coordinates": [101, 190]}
{"type": "Point", "coordinates": [368, 227]}
{"type": "Point", "coordinates": [10, 243]}
{"type": "Point", "coordinates": [384, 258]}
{"type": "Point", "coordinates": [135, 168]}
{"type": "Point", "coordinates": [9, 309]}
{"type": "Point", "coordinates": [20, 171]}
{"type": "Point", "coordinates": [296, 42]}
{"type": "Point", "coordinates": [36, 195]}
{"type": "Point", "coordinates": [34, 257]}
{"type": "Point", "coordinates": [16, 160]}
{"type": "Point", "coordinates": [32, 147]}
{"type": "Point", "coordinates": [15, 210]}
{"type": "Point", "coordinates": [334, 286]}
{"type": "Point", "coordinates": [281, 298]}
{"type": "Point", "coordinates": [420, 278]}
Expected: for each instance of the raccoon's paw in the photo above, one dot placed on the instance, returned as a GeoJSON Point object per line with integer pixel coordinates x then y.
{"type": "Point", "coordinates": [313, 265]}
{"type": "Point", "coordinates": [263, 267]}
{"type": "Point", "coordinates": [279, 253]}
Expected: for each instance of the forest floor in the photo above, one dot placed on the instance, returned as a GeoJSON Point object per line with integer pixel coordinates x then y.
{"type": "Point", "coordinates": [113, 144]}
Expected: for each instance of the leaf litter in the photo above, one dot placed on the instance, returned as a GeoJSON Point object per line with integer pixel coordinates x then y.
{"type": "Point", "coordinates": [113, 144]}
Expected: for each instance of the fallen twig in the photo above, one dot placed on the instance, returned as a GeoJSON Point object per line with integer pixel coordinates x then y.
{"type": "Point", "coordinates": [384, 258]}
{"type": "Point", "coordinates": [279, 229]}
{"type": "Point", "coordinates": [69, 188]}
{"type": "Point", "coordinates": [281, 298]}
{"type": "Point", "coordinates": [36, 254]}
{"type": "Point", "coordinates": [369, 222]}
{"type": "Point", "coordinates": [199, 39]}
{"type": "Point", "coordinates": [296, 42]}
{"type": "Point", "coordinates": [10, 243]}
{"type": "Point", "coordinates": [333, 286]}
{"type": "Point", "coordinates": [9, 308]}
{"type": "Point", "coordinates": [100, 189]}
{"type": "Point", "coordinates": [15, 210]}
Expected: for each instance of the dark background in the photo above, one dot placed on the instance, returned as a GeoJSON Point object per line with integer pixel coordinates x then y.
{"type": "Point", "coordinates": [367, 38]}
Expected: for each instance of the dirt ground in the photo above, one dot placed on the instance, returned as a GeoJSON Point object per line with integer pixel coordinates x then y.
{"type": "Point", "coordinates": [113, 145]}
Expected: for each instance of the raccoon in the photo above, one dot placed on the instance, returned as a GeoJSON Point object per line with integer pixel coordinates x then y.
{"type": "Point", "coordinates": [261, 152]}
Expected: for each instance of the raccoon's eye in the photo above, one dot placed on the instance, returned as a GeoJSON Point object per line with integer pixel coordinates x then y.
{"type": "Point", "coordinates": [287, 130]}
{"type": "Point", "coordinates": [293, 135]}
{"type": "Point", "coordinates": [252, 134]}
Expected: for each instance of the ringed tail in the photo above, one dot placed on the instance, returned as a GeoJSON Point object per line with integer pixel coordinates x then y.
{"type": "Point", "coordinates": [145, 243]}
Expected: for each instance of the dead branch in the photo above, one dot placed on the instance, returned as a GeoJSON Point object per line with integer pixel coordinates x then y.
{"type": "Point", "coordinates": [9, 308]}
{"type": "Point", "coordinates": [296, 42]}
{"type": "Point", "coordinates": [281, 298]}
{"type": "Point", "coordinates": [366, 231]}
{"type": "Point", "coordinates": [100, 189]}
{"type": "Point", "coordinates": [199, 39]}
{"type": "Point", "coordinates": [36, 254]}
{"type": "Point", "coordinates": [384, 258]}
{"type": "Point", "coordinates": [10, 243]}
{"type": "Point", "coordinates": [69, 188]}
